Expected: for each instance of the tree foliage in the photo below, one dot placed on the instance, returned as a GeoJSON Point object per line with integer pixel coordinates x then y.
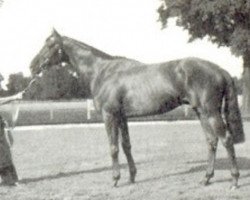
{"type": "Point", "coordinates": [17, 82]}
{"type": "Point", "coordinates": [226, 22]}
{"type": "Point", "coordinates": [55, 83]}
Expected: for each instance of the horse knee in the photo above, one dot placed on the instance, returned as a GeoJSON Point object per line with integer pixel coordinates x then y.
{"type": "Point", "coordinates": [126, 146]}
{"type": "Point", "coordinates": [114, 151]}
{"type": "Point", "coordinates": [227, 141]}
{"type": "Point", "coordinates": [212, 145]}
{"type": "Point", "coordinates": [218, 126]}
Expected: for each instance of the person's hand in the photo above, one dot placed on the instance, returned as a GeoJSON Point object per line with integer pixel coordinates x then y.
{"type": "Point", "coordinates": [19, 95]}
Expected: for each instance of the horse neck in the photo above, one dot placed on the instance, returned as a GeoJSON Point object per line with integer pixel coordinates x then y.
{"type": "Point", "coordinates": [87, 64]}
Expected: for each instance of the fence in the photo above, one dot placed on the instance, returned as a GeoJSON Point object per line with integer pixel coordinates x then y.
{"type": "Point", "coordinates": [62, 112]}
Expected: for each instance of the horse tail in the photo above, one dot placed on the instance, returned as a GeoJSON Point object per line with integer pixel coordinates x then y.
{"type": "Point", "coordinates": [232, 113]}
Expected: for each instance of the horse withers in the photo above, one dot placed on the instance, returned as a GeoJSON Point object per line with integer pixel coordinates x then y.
{"type": "Point", "coordinates": [123, 88]}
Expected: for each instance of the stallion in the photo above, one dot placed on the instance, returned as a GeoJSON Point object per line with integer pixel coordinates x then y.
{"type": "Point", "coordinates": [123, 88]}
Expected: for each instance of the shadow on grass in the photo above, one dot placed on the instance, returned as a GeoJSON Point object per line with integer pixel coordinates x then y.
{"type": "Point", "coordinates": [69, 174]}
{"type": "Point", "coordinates": [221, 164]}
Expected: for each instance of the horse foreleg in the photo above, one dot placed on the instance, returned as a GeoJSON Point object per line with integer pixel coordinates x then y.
{"type": "Point", "coordinates": [123, 125]}
{"type": "Point", "coordinates": [112, 130]}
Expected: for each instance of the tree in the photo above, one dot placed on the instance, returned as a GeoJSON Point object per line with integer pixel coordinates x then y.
{"type": "Point", "coordinates": [2, 91]}
{"type": "Point", "coordinates": [1, 79]}
{"type": "Point", "coordinates": [17, 82]}
{"type": "Point", "coordinates": [57, 82]}
{"type": "Point", "coordinates": [225, 22]}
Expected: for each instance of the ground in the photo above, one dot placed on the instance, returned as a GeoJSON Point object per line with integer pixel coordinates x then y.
{"type": "Point", "coordinates": [73, 162]}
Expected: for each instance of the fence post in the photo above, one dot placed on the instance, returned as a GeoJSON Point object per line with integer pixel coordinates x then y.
{"type": "Point", "coordinates": [51, 114]}
{"type": "Point", "coordinates": [88, 109]}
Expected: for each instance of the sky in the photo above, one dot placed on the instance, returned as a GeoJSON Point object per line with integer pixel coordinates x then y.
{"type": "Point", "coordinates": [118, 27]}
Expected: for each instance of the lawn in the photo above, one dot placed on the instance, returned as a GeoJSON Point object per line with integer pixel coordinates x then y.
{"type": "Point", "coordinates": [73, 162]}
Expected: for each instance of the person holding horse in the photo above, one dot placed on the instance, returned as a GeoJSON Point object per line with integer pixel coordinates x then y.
{"type": "Point", "coordinates": [7, 168]}
{"type": "Point", "coordinates": [8, 172]}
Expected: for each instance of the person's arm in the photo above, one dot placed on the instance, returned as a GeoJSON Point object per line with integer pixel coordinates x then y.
{"type": "Point", "coordinates": [4, 100]}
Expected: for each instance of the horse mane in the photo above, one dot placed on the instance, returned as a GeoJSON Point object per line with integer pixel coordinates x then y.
{"type": "Point", "coordinates": [94, 50]}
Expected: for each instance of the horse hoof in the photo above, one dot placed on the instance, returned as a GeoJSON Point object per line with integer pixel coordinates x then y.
{"type": "Point", "coordinates": [234, 187]}
{"type": "Point", "coordinates": [204, 182]}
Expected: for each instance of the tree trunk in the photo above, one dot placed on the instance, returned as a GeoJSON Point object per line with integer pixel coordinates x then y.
{"type": "Point", "coordinates": [246, 86]}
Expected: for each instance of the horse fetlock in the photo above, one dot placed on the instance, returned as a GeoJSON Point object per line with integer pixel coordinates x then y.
{"type": "Point", "coordinates": [205, 181]}
{"type": "Point", "coordinates": [213, 147]}
{"type": "Point", "coordinates": [235, 175]}
{"type": "Point", "coordinates": [209, 175]}
{"type": "Point", "coordinates": [133, 172]}
{"type": "Point", "coordinates": [116, 177]}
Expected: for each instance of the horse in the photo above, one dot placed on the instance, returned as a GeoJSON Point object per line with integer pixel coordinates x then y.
{"type": "Point", "coordinates": [122, 88]}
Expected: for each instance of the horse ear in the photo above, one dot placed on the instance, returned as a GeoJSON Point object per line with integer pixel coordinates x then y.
{"type": "Point", "coordinates": [56, 34]}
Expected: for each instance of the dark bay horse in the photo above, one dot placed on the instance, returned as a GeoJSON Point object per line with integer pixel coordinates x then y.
{"type": "Point", "coordinates": [123, 88]}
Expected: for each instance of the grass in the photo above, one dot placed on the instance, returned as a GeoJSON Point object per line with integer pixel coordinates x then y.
{"type": "Point", "coordinates": [73, 162]}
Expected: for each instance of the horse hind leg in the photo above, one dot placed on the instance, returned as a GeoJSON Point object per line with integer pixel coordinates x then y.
{"type": "Point", "coordinates": [219, 128]}
{"type": "Point", "coordinates": [212, 142]}
{"type": "Point", "coordinates": [215, 128]}
{"type": "Point", "coordinates": [123, 127]}
{"type": "Point", "coordinates": [111, 124]}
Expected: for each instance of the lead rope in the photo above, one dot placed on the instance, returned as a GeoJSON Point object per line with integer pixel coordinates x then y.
{"type": "Point", "coordinates": [15, 115]}
{"type": "Point", "coordinates": [8, 134]}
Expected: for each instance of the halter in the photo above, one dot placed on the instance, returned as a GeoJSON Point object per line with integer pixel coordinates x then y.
{"type": "Point", "coordinates": [42, 67]}
{"type": "Point", "coordinates": [47, 60]}
{"type": "Point", "coordinates": [62, 60]}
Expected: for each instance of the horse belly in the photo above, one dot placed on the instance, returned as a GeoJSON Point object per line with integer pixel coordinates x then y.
{"type": "Point", "coordinates": [141, 104]}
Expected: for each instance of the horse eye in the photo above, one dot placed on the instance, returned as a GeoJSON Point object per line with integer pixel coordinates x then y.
{"type": "Point", "coordinates": [60, 51]}
{"type": "Point", "coordinates": [40, 74]}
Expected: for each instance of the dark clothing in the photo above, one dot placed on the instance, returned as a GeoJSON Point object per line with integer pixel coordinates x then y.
{"type": "Point", "coordinates": [7, 168]}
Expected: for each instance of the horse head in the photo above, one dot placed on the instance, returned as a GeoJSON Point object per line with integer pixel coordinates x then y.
{"type": "Point", "coordinates": [51, 62]}
{"type": "Point", "coordinates": [52, 53]}
{"type": "Point", "coordinates": [82, 61]}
